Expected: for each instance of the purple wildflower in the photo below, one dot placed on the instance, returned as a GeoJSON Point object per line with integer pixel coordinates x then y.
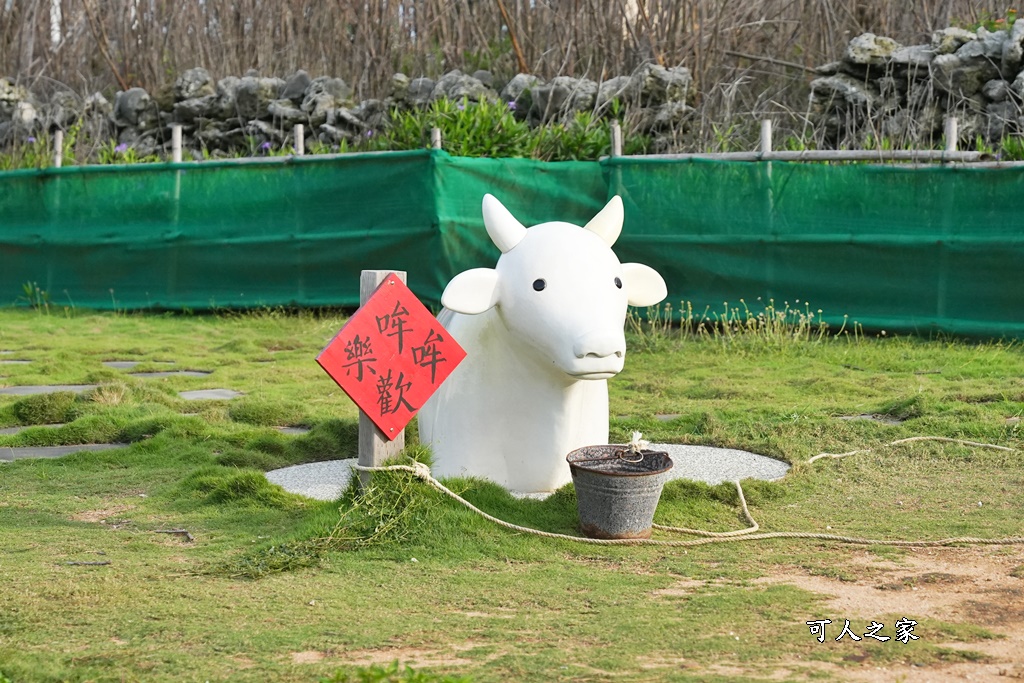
{"type": "Point", "coordinates": [369, 133]}
{"type": "Point", "coordinates": [31, 138]}
{"type": "Point", "coordinates": [264, 146]}
{"type": "Point", "coordinates": [122, 148]}
{"type": "Point", "coordinates": [461, 106]}
{"type": "Point", "coordinates": [511, 105]}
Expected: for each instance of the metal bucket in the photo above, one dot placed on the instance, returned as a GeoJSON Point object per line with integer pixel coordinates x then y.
{"type": "Point", "coordinates": [617, 490]}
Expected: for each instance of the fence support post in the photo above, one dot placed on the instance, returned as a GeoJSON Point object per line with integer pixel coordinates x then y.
{"type": "Point", "coordinates": [952, 133]}
{"type": "Point", "coordinates": [766, 136]}
{"type": "Point", "coordinates": [616, 139]}
{"type": "Point", "coordinates": [176, 143]}
{"type": "Point", "coordinates": [374, 447]}
{"type": "Point", "coordinates": [58, 148]}
{"type": "Point", "coordinates": [435, 138]}
{"type": "Point", "coordinates": [769, 206]}
{"type": "Point", "coordinates": [299, 131]}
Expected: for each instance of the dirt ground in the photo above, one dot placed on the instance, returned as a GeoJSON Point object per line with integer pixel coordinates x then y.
{"type": "Point", "coordinates": [979, 586]}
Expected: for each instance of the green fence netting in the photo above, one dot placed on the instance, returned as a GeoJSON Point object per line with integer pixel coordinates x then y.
{"type": "Point", "coordinates": [216, 234]}
{"type": "Point", "coordinates": [894, 248]}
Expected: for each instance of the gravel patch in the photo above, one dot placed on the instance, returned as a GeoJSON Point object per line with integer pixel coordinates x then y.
{"type": "Point", "coordinates": [327, 480]}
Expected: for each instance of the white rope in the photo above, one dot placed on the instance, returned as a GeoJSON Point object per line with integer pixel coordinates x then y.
{"type": "Point", "coordinates": [421, 471]}
{"type": "Point", "coordinates": [910, 439]}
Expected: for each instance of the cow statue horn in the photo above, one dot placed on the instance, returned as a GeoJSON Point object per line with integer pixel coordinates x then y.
{"type": "Point", "coordinates": [502, 227]}
{"type": "Point", "coordinates": [608, 222]}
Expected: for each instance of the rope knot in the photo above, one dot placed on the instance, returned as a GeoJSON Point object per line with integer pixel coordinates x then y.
{"type": "Point", "coordinates": [421, 470]}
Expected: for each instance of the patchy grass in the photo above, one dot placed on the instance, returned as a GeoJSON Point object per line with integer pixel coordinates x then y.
{"type": "Point", "coordinates": [277, 587]}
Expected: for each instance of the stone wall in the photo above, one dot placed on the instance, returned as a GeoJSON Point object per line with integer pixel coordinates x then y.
{"type": "Point", "coordinates": [904, 93]}
{"type": "Point", "coordinates": [232, 114]}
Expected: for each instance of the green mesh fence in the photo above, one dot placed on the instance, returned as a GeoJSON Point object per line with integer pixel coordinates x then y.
{"type": "Point", "coordinates": [217, 234]}
{"type": "Point", "coordinates": [899, 249]}
{"type": "Point", "coordinates": [893, 248]}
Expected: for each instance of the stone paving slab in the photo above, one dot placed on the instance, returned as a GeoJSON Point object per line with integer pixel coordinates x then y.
{"type": "Point", "coordinates": [14, 361]}
{"type": "Point", "coordinates": [318, 480]}
{"type": "Point", "coordinates": [15, 430]}
{"type": "Point", "coordinates": [327, 480]}
{"type": "Point", "coordinates": [46, 389]}
{"type": "Point", "coordinates": [8, 454]}
{"type": "Point", "coordinates": [209, 394]}
{"type": "Point", "coordinates": [881, 419]}
{"type": "Point", "coordinates": [171, 373]}
{"type": "Point", "coordinates": [293, 431]}
{"type": "Point", "coordinates": [129, 364]}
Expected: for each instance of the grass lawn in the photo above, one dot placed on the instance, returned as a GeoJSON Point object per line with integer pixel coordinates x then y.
{"type": "Point", "coordinates": [282, 588]}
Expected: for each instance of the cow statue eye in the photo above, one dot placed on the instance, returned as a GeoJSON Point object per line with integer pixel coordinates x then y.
{"type": "Point", "coordinates": [539, 284]}
{"type": "Point", "coordinates": [618, 283]}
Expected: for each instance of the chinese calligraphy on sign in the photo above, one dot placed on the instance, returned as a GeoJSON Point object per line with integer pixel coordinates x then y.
{"type": "Point", "coordinates": [391, 356]}
{"type": "Point", "coordinates": [904, 630]}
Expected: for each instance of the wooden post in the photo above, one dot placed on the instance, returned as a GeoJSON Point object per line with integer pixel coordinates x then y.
{"type": "Point", "coordinates": [435, 138]}
{"type": "Point", "coordinates": [299, 131]}
{"type": "Point", "coordinates": [952, 133]}
{"type": "Point", "coordinates": [58, 148]}
{"type": "Point", "coordinates": [766, 136]}
{"type": "Point", "coordinates": [616, 139]}
{"type": "Point", "coordinates": [176, 143]}
{"type": "Point", "coordinates": [374, 446]}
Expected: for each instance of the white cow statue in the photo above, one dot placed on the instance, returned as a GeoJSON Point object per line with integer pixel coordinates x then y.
{"type": "Point", "coordinates": [543, 332]}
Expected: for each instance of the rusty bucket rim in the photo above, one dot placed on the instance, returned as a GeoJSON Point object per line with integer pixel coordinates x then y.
{"type": "Point", "coordinates": [623, 448]}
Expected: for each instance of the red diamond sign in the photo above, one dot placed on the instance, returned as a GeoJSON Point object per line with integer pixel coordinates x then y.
{"type": "Point", "coordinates": [391, 356]}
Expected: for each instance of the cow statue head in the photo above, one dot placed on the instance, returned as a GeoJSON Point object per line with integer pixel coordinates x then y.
{"type": "Point", "coordinates": [559, 289]}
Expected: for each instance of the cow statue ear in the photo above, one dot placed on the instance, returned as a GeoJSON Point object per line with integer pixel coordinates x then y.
{"type": "Point", "coordinates": [608, 222]}
{"type": "Point", "coordinates": [472, 292]}
{"type": "Point", "coordinates": [644, 286]}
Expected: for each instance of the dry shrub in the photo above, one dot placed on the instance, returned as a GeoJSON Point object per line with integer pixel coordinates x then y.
{"type": "Point", "coordinates": [749, 59]}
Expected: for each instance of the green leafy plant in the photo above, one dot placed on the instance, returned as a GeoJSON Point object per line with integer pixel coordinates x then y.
{"type": "Point", "coordinates": [1011, 148]}
{"type": "Point", "coordinates": [764, 323]}
{"type": "Point", "coordinates": [474, 129]}
{"type": "Point", "coordinates": [36, 297]}
{"type": "Point", "coordinates": [990, 21]}
{"type": "Point", "coordinates": [123, 153]}
{"type": "Point", "coordinates": [32, 152]}
{"type": "Point", "coordinates": [582, 138]}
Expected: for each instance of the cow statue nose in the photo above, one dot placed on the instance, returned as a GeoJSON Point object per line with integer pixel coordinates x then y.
{"type": "Point", "coordinates": [589, 346]}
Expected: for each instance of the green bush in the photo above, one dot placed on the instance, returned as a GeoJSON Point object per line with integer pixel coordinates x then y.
{"type": "Point", "coordinates": [226, 485]}
{"type": "Point", "coordinates": [484, 129]}
{"type": "Point", "coordinates": [44, 409]}
{"type": "Point", "coordinates": [263, 413]}
{"type": "Point", "coordinates": [491, 129]}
